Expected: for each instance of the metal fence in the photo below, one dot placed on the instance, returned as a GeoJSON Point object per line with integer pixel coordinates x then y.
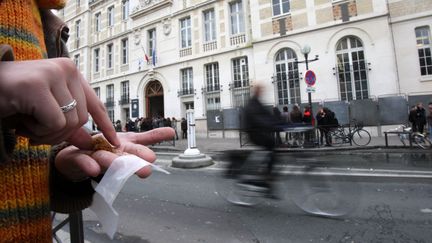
{"type": "Point", "coordinates": [380, 111]}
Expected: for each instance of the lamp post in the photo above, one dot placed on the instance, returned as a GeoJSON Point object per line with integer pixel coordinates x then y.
{"type": "Point", "coordinates": [305, 51]}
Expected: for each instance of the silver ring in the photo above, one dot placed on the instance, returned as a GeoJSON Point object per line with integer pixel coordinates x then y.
{"type": "Point", "coordinates": [69, 106]}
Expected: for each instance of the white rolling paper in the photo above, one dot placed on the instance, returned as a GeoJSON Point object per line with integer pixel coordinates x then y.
{"type": "Point", "coordinates": [109, 187]}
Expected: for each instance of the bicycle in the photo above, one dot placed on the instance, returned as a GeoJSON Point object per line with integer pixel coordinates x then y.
{"type": "Point", "coordinates": [315, 190]}
{"type": "Point", "coordinates": [356, 135]}
{"type": "Point", "coordinates": [407, 137]}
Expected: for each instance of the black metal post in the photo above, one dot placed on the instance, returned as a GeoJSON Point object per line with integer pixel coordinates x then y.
{"type": "Point", "coordinates": [76, 227]}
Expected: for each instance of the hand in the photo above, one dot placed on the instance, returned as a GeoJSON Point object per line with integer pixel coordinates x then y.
{"type": "Point", "coordinates": [76, 164]}
{"type": "Point", "coordinates": [32, 92]}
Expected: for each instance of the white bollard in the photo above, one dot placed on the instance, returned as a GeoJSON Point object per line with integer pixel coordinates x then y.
{"type": "Point", "coordinates": [192, 149]}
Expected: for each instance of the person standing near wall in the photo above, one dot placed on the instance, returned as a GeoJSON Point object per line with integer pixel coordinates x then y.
{"type": "Point", "coordinates": [429, 120]}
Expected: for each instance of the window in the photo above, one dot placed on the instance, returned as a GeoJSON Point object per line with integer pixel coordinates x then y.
{"type": "Point", "coordinates": [209, 25]}
{"type": "Point", "coordinates": [286, 79]}
{"type": "Point", "coordinates": [212, 91]}
{"type": "Point", "coordinates": [240, 72]}
{"type": "Point", "coordinates": [151, 37]}
{"type": "Point", "coordinates": [187, 81]}
{"type": "Point", "coordinates": [212, 76]}
{"type": "Point", "coordinates": [110, 95]}
{"type": "Point", "coordinates": [96, 60]}
{"type": "Point", "coordinates": [77, 32]}
{"type": "Point", "coordinates": [124, 44]}
{"type": "Point", "coordinates": [97, 22]}
{"type": "Point", "coordinates": [423, 38]}
{"type": "Point", "coordinates": [125, 9]}
{"type": "Point", "coordinates": [110, 55]}
{"type": "Point", "coordinates": [280, 7]}
{"type": "Point", "coordinates": [236, 17]}
{"type": "Point", "coordinates": [97, 91]}
{"type": "Point", "coordinates": [351, 69]}
{"type": "Point", "coordinates": [125, 92]}
{"type": "Point", "coordinates": [77, 60]}
{"type": "Point", "coordinates": [185, 32]}
{"type": "Point", "coordinates": [78, 3]}
{"type": "Point", "coordinates": [111, 16]}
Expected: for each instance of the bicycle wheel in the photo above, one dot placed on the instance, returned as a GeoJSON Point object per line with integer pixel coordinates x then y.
{"type": "Point", "coordinates": [421, 141]}
{"type": "Point", "coordinates": [337, 137]}
{"type": "Point", "coordinates": [361, 137]}
{"type": "Point", "coordinates": [325, 195]}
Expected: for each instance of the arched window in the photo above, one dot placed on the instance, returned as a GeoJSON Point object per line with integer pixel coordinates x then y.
{"type": "Point", "coordinates": [286, 77]}
{"type": "Point", "coordinates": [351, 69]}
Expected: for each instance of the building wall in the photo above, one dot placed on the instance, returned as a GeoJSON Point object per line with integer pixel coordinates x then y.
{"type": "Point", "coordinates": [385, 28]}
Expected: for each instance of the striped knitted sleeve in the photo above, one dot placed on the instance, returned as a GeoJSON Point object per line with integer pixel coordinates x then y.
{"type": "Point", "coordinates": [7, 137]}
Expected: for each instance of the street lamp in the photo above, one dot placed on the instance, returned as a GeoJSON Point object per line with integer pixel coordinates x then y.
{"type": "Point", "coordinates": [305, 51]}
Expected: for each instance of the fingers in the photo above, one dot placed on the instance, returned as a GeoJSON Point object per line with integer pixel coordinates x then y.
{"type": "Point", "coordinates": [153, 136]}
{"type": "Point", "coordinates": [76, 164]}
{"type": "Point", "coordinates": [99, 115]}
{"type": "Point", "coordinates": [81, 139]}
{"type": "Point", "coordinates": [105, 158]}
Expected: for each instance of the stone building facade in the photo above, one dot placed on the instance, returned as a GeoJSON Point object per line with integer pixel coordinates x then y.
{"type": "Point", "coordinates": [167, 56]}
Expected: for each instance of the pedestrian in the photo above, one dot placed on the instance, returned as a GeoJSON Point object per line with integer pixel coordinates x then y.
{"type": "Point", "coordinates": [296, 119]}
{"type": "Point", "coordinates": [287, 120]}
{"type": "Point", "coordinates": [184, 128]}
{"type": "Point", "coordinates": [278, 116]}
{"type": "Point", "coordinates": [429, 120]}
{"type": "Point", "coordinates": [174, 126]}
{"type": "Point", "coordinates": [417, 117]}
{"type": "Point", "coordinates": [53, 107]}
{"type": "Point", "coordinates": [118, 126]}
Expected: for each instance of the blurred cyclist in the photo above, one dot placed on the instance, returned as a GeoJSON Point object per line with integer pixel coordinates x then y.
{"type": "Point", "coordinates": [260, 124]}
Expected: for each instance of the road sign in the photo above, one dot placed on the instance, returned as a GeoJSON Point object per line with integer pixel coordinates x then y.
{"type": "Point", "coordinates": [310, 89]}
{"type": "Point", "coordinates": [310, 78]}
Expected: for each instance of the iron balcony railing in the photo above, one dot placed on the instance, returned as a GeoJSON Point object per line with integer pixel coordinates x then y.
{"type": "Point", "coordinates": [212, 88]}
{"type": "Point", "coordinates": [183, 92]}
{"type": "Point", "coordinates": [109, 102]}
{"type": "Point", "coordinates": [125, 100]}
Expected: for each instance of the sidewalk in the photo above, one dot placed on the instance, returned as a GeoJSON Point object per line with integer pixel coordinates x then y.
{"type": "Point", "coordinates": [214, 145]}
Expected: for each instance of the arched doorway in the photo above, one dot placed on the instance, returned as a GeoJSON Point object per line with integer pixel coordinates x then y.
{"type": "Point", "coordinates": [154, 99]}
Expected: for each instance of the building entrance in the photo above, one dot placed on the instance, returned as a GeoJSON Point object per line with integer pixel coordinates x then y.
{"type": "Point", "coordinates": [154, 99]}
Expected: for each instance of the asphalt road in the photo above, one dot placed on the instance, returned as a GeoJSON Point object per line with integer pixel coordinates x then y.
{"type": "Point", "coordinates": [187, 206]}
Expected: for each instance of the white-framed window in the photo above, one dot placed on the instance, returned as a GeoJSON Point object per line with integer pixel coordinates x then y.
{"type": "Point", "coordinates": [423, 38]}
{"type": "Point", "coordinates": [77, 60]}
{"type": "Point", "coordinates": [212, 90]}
{"type": "Point", "coordinates": [97, 22]}
{"type": "Point", "coordinates": [236, 17]}
{"type": "Point", "coordinates": [286, 77]}
{"type": "Point", "coordinates": [185, 32]}
{"type": "Point", "coordinates": [111, 16]}
{"type": "Point", "coordinates": [125, 51]}
{"type": "Point", "coordinates": [96, 59]}
{"type": "Point", "coordinates": [125, 9]}
{"type": "Point", "coordinates": [212, 76]}
{"type": "Point", "coordinates": [151, 41]}
{"type": "Point", "coordinates": [209, 25]}
{"type": "Point", "coordinates": [280, 7]}
{"type": "Point", "coordinates": [240, 72]}
{"type": "Point", "coordinates": [97, 91]}
{"type": "Point", "coordinates": [77, 32]}
{"type": "Point", "coordinates": [110, 92]}
{"type": "Point", "coordinates": [125, 92]}
{"type": "Point", "coordinates": [110, 55]}
{"type": "Point", "coordinates": [187, 81]}
{"type": "Point", "coordinates": [351, 69]}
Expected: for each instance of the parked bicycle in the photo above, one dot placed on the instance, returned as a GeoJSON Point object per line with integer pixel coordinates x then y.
{"type": "Point", "coordinates": [348, 134]}
{"type": "Point", "coordinates": [407, 137]}
{"type": "Point", "coordinates": [311, 187]}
